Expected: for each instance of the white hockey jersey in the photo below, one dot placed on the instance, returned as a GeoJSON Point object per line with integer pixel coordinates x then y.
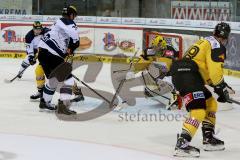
{"type": "Point", "coordinates": [32, 41]}
{"type": "Point", "coordinates": [32, 47]}
{"type": "Point", "coordinates": [63, 34]}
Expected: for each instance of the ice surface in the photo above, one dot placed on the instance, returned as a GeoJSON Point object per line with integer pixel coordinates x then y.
{"type": "Point", "coordinates": [29, 134]}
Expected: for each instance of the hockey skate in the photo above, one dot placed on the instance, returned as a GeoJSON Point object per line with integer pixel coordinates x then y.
{"type": "Point", "coordinates": [211, 143]}
{"type": "Point", "coordinates": [63, 109]}
{"type": "Point", "coordinates": [46, 106]}
{"type": "Point", "coordinates": [79, 96]}
{"type": "Point", "coordinates": [36, 95]}
{"type": "Point", "coordinates": [183, 149]}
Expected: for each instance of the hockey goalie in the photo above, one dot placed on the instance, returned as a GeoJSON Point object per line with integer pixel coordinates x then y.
{"type": "Point", "coordinates": [155, 65]}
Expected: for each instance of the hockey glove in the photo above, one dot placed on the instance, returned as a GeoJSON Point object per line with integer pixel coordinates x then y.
{"type": "Point", "coordinates": [230, 90]}
{"type": "Point", "coordinates": [223, 92]}
{"type": "Point", "coordinates": [69, 56]}
{"type": "Point", "coordinates": [32, 59]}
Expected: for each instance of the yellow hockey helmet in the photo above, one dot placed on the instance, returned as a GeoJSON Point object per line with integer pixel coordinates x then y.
{"type": "Point", "coordinates": [159, 41]}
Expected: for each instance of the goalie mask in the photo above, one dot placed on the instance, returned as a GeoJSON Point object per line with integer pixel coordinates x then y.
{"type": "Point", "coordinates": [159, 41]}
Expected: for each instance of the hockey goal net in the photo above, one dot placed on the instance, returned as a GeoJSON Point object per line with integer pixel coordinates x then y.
{"type": "Point", "coordinates": [176, 41]}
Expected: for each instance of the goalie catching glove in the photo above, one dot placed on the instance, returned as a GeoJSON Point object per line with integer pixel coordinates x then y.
{"type": "Point", "coordinates": [223, 90]}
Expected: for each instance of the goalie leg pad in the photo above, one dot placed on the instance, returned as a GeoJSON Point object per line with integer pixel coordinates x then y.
{"type": "Point", "coordinates": [165, 85]}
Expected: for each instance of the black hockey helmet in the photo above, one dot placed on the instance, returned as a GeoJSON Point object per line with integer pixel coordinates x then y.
{"type": "Point", "coordinates": [222, 30]}
{"type": "Point", "coordinates": [68, 10]}
{"type": "Point", "coordinates": [37, 25]}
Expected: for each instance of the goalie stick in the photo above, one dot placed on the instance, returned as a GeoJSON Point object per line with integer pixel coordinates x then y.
{"type": "Point", "coordinates": [154, 91]}
{"type": "Point", "coordinates": [130, 63]}
{"type": "Point", "coordinates": [122, 81]}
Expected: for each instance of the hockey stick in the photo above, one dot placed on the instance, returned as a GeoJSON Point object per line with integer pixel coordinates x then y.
{"type": "Point", "coordinates": [91, 89]}
{"type": "Point", "coordinates": [116, 93]}
{"type": "Point", "coordinates": [233, 101]}
{"type": "Point", "coordinates": [130, 63]}
{"type": "Point", "coordinates": [120, 70]}
{"type": "Point", "coordinates": [122, 81]}
{"type": "Point", "coordinates": [63, 70]}
{"type": "Point", "coordinates": [11, 80]}
{"type": "Point", "coordinates": [144, 80]}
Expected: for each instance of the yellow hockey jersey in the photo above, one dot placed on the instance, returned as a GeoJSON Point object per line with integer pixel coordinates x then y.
{"type": "Point", "coordinates": [151, 55]}
{"type": "Point", "coordinates": [209, 55]}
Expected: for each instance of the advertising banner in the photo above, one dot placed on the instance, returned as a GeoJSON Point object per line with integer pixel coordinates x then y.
{"type": "Point", "coordinates": [133, 21]}
{"type": "Point", "coordinates": [16, 7]}
{"type": "Point", "coordinates": [85, 19]}
{"type": "Point", "coordinates": [86, 40]}
{"type": "Point", "coordinates": [113, 41]}
{"type": "Point", "coordinates": [157, 21]}
{"type": "Point", "coordinates": [93, 40]}
{"type": "Point", "coordinates": [218, 11]}
{"type": "Point", "coordinates": [13, 36]}
{"type": "Point", "coordinates": [109, 20]}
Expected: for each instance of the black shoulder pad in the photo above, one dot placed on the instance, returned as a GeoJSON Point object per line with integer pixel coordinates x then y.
{"type": "Point", "coordinates": [218, 54]}
{"type": "Point", "coordinates": [67, 21]}
{"type": "Point", "coordinates": [29, 36]}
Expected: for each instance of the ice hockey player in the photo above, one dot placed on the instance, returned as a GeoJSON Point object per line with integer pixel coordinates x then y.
{"type": "Point", "coordinates": [202, 65]}
{"type": "Point", "coordinates": [54, 47]}
{"type": "Point", "coordinates": [162, 56]}
{"type": "Point", "coordinates": [32, 39]}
